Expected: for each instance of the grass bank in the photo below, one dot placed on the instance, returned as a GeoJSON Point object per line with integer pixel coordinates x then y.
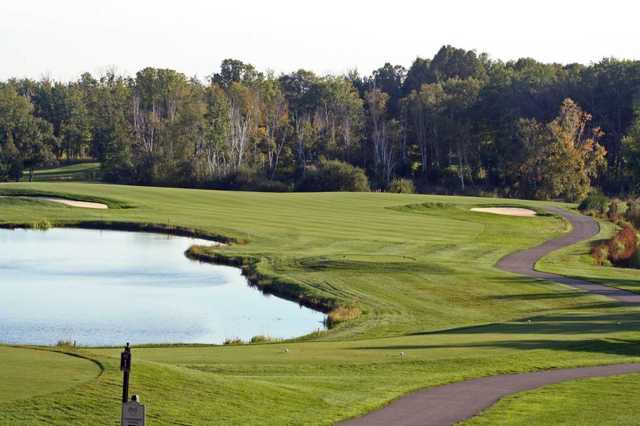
{"type": "Point", "coordinates": [419, 269]}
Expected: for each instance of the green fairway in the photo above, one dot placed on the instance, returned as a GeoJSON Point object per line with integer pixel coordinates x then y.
{"type": "Point", "coordinates": [418, 267]}
{"type": "Point", "coordinates": [576, 261]}
{"type": "Point", "coordinates": [602, 401]}
{"type": "Point", "coordinates": [27, 373]}
{"type": "Point", "coordinates": [409, 269]}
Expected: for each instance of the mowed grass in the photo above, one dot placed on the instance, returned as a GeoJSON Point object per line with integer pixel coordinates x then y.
{"type": "Point", "coordinates": [419, 267]}
{"type": "Point", "coordinates": [26, 373]}
{"type": "Point", "coordinates": [603, 401]}
{"type": "Point", "coordinates": [323, 382]}
{"type": "Point", "coordinates": [409, 269]}
{"type": "Point", "coordinates": [576, 261]}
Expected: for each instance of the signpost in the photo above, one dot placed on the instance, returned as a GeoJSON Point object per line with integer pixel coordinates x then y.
{"type": "Point", "coordinates": [125, 367]}
{"type": "Point", "coordinates": [133, 413]}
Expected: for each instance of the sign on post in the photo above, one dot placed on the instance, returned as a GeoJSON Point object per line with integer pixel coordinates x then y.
{"type": "Point", "coordinates": [133, 413]}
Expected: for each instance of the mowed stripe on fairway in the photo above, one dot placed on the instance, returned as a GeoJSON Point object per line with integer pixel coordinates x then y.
{"type": "Point", "coordinates": [415, 264]}
{"type": "Point", "coordinates": [26, 373]}
{"type": "Point", "coordinates": [445, 405]}
{"type": "Point", "coordinates": [447, 250]}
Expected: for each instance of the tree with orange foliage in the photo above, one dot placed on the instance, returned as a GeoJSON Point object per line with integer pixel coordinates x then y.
{"type": "Point", "coordinates": [560, 157]}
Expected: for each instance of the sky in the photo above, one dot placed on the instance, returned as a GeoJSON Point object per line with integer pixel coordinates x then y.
{"type": "Point", "coordinates": [63, 38]}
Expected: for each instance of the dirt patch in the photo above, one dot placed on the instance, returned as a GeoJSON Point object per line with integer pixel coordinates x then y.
{"type": "Point", "coordinates": [505, 211]}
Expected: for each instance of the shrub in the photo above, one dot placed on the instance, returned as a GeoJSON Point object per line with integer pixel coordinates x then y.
{"type": "Point", "coordinates": [41, 225]}
{"type": "Point", "coordinates": [600, 254]}
{"type": "Point", "coordinates": [248, 179]}
{"type": "Point", "coordinates": [342, 314]}
{"type": "Point", "coordinates": [233, 341]}
{"type": "Point", "coordinates": [621, 250]}
{"type": "Point", "coordinates": [261, 339]}
{"type": "Point", "coordinates": [595, 202]}
{"type": "Point", "coordinates": [402, 186]}
{"type": "Point", "coordinates": [623, 246]}
{"type": "Point", "coordinates": [334, 175]}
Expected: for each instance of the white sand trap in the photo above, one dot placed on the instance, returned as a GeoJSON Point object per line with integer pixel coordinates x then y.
{"type": "Point", "coordinates": [74, 203]}
{"type": "Point", "coordinates": [70, 203]}
{"type": "Point", "coordinates": [505, 211]}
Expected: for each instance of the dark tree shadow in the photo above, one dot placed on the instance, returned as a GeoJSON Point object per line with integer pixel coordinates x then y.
{"type": "Point", "coordinates": [608, 346]}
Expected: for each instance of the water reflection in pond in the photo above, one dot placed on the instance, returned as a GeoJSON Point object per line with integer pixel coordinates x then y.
{"type": "Point", "coordinates": [108, 287]}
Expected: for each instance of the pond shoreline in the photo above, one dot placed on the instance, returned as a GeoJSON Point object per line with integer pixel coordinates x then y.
{"type": "Point", "coordinates": [268, 285]}
{"type": "Point", "coordinates": [160, 230]}
{"type": "Point", "coordinates": [101, 225]}
{"type": "Point", "coordinates": [290, 291]}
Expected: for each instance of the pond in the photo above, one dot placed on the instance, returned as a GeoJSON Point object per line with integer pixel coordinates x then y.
{"type": "Point", "coordinates": [110, 287]}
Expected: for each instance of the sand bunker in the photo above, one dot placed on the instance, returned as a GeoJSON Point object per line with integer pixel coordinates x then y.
{"type": "Point", "coordinates": [70, 203]}
{"type": "Point", "coordinates": [506, 211]}
{"type": "Point", "coordinates": [75, 203]}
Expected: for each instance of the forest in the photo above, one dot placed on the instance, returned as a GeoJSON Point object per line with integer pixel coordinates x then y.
{"type": "Point", "coordinates": [459, 122]}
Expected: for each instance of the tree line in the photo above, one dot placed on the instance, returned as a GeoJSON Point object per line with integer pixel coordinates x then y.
{"type": "Point", "coordinates": [459, 122]}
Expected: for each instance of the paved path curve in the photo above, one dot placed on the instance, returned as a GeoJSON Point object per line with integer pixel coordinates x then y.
{"type": "Point", "coordinates": [584, 227]}
{"type": "Point", "coordinates": [448, 404]}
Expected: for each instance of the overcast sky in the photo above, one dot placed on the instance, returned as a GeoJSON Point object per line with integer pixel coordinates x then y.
{"type": "Point", "coordinates": [64, 38]}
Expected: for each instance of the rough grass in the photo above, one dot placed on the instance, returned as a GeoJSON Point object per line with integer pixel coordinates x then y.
{"type": "Point", "coordinates": [419, 268]}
